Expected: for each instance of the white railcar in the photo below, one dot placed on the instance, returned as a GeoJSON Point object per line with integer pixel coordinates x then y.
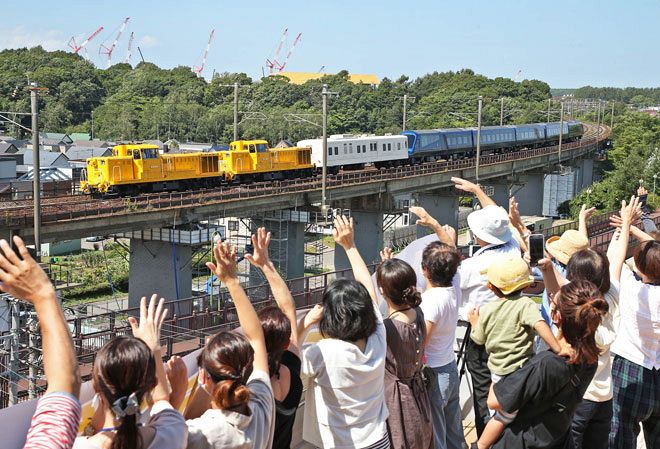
{"type": "Point", "coordinates": [351, 151]}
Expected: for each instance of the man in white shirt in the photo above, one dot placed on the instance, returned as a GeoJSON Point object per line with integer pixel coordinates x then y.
{"type": "Point", "coordinates": [490, 228]}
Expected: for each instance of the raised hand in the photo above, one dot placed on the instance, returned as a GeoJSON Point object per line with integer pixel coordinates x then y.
{"type": "Point", "coordinates": [425, 219]}
{"type": "Point", "coordinates": [451, 234]}
{"type": "Point", "coordinates": [260, 242]}
{"type": "Point", "coordinates": [151, 321]}
{"type": "Point", "coordinates": [177, 375]}
{"type": "Point", "coordinates": [314, 315]}
{"type": "Point", "coordinates": [386, 254]}
{"type": "Point", "coordinates": [632, 211]}
{"type": "Point", "coordinates": [585, 213]}
{"type": "Point", "coordinates": [23, 278]}
{"type": "Point", "coordinates": [344, 233]}
{"type": "Point", "coordinates": [224, 267]}
{"type": "Point", "coordinates": [465, 185]}
{"type": "Point", "coordinates": [642, 191]}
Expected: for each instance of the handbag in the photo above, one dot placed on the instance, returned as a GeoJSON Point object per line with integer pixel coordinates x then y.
{"type": "Point", "coordinates": [429, 377]}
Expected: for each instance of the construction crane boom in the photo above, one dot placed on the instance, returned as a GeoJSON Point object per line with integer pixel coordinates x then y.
{"type": "Point", "coordinates": [288, 55]}
{"type": "Point", "coordinates": [130, 46]}
{"type": "Point", "coordinates": [272, 64]}
{"type": "Point", "coordinates": [76, 48]}
{"type": "Point", "coordinates": [200, 69]}
{"type": "Point", "coordinates": [108, 50]}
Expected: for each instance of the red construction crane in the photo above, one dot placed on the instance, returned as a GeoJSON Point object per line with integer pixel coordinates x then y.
{"type": "Point", "coordinates": [199, 69]}
{"type": "Point", "coordinates": [103, 49]}
{"type": "Point", "coordinates": [130, 46]}
{"type": "Point", "coordinates": [288, 55]}
{"type": "Point", "coordinates": [76, 48]}
{"type": "Point", "coordinates": [273, 64]}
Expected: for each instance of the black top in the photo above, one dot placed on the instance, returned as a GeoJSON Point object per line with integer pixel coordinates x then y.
{"type": "Point", "coordinates": [546, 392]}
{"type": "Point", "coordinates": [286, 410]}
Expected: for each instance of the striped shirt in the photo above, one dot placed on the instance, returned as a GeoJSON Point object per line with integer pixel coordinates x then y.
{"type": "Point", "coordinates": [54, 423]}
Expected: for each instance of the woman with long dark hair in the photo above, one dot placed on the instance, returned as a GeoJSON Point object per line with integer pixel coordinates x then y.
{"type": "Point", "coordinates": [409, 423]}
{"type": "Point", "coordinates": [233, 406]}
{"type": "Point", "coordinates": [546, 391]}
{"type": "Point", "coordinates": [345, 399]}
{"type": "Point", "coordinates": [127, 371]}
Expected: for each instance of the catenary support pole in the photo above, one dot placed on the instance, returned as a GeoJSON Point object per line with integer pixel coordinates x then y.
{"type": "Point", "coordinates": [501, 111]}
{"type": "Point", "coordinates": [324, 173]}
{"type": "Point", "coordinates": [481, 99]}
{"type": "Point", "coordinates": [36, 184]}
{"type": "Point", "coordinates": [561, 127]}
{"type": "Point", "coordinates": [235, 112]}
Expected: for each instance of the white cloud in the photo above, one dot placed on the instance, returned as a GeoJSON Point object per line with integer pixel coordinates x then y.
{"type": "Point", "coordinates": [148, 41]}
{"type": "Point", "coordinates": [19, 37]}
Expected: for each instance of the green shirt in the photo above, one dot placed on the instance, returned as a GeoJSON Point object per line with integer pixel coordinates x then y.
{"type": "Point", "coordinates": [506, 327]}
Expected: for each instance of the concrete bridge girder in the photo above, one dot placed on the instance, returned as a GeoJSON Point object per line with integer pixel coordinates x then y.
{"type": "Point", "coordinates": [147, 219]}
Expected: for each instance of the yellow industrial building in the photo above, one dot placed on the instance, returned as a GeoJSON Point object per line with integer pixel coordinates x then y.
{"type": "Point", "coordinates": [302, 77]}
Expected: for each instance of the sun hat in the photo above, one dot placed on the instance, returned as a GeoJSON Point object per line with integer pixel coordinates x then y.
{"type": "Point", "coordinates": [490, 224]}
{"type": "Point", "coordinates": [570, 242]}
{"type": "Point", "coordinates": [509, 275]}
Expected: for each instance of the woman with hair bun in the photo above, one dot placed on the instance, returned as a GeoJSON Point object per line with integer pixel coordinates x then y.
{"type": "Point", "coordinates": [545, 392]}
{"type": "Point", "coordinates": [233, 406]}
{"type": "Point", "coordinates": [406, 396]}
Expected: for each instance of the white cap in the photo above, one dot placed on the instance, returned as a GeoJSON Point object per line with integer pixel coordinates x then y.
{"type": "Point", "coordinates": [490, 224]}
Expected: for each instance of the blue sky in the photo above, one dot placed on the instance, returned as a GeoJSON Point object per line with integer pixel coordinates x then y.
{"type": "Point", "coordinates": [565, 43]}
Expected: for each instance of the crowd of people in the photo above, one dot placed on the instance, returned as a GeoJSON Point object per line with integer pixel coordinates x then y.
{"type": "Point", "coordinates": [579, 370]}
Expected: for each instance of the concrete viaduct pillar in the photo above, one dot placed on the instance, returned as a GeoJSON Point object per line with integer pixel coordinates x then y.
{"type": "Point", "coordinates": [287, 245]}
{"type": "Point", "coordinates": [585, 173]}
{"type": "Point", "coordinates": [441, 205]}
{"type": "Point", "coordinates": [159, 267]}
{"type": "Point", "coordinates": [367, 213]}
{"type": "Point", "coordinates": [528, 191]}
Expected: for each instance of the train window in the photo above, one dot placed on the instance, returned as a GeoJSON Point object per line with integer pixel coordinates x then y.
{"type": "Point", "coordinates": [253, 148]}
{"type": "Point", "coordinates": [350, 147]}
{"type": "Point", "coordinates": [262, 148]}
{"type": "Point", "coordinates": [384, 147]}
{"type": "Point", "coordinates": [329, 151]}
{"type": "Point", "coordinates": [345, 149]}
{"type": "Point", "coordinates": [358, 148]}
{"type": "Point", "coordinates": [398, 146]}
{"type": "Point", "coordinates": [136, 154]}
{"type": "Point", "coordinates": [389, 147]}
{"type": "Point", "coordinates": [336, 151]}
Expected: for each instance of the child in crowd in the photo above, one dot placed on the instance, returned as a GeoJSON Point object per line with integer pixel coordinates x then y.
{"type": "Point", "coordinates": [506, 327]}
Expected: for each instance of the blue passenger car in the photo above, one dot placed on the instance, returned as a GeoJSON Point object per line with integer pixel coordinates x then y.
{"type": "Point", "coordinates": [575, 130]}
{"type": "Point", "coordinates": [530, 135]}
{"type": "Point", "coordinates": [552, 131]}
{"type": "Point", "coordinates": [494, 138]}
{"type": "Point", "coordinates": [431, 144]}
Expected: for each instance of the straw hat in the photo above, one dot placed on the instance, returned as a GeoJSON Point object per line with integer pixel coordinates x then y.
{"type": "Point", "coordinates": [570, 242]}
{"type": "Point", "coordinates": [490, 224]}
{"type": "Point", "coordinates": [509, 275]}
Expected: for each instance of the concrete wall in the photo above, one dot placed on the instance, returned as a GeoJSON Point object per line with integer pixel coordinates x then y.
{"type": "Point", "coordinates": [151, 270]}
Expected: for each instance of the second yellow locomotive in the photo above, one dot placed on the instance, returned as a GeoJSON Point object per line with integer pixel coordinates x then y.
{"type": "Point", "coordinates": [135, 168]}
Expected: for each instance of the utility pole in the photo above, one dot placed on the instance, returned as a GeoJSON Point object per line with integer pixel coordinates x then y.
{"type": "Point", "coordinates": [549, 101]}
{"type": "Point", "coordinates": [612, 117]}
{"type": "Point", "coordinates": [598, 118]}
{"type": "Point", "coordinates": [501, 111]}
{"type": "Point", "coordinates": [13, 355]}
{"type": "Point", "coordinates": [405, 109]}
{"type": "Point", "coordinates": [561, 127]}
{"type": "Point", "coordinates": [92, 124]}
{"type": "Point", "coordinates": [324, 172]}
{"type": "Point", "coordinates": [481, 99]}
{"type": "Point", "coordinates": [36, 185]}
{"type": "Point", "coordinates": [235, 112]}
{"type": "Point", "coordinates": [32, 357]}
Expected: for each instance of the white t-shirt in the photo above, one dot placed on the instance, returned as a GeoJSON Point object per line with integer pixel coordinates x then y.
{"type": "Point", "coordinates": [345, 397]}
{"type": "Point", "coordinates": [440, 307]}
{"type": "Point", "coordinates": [473, 283]}
{"type": "Point", "coordinates": [223, 429]}
{"type": "Point", "coordinates": [600, 388]}
{"type": "Point", "coordinates": [638, 338]}
{"type": "Point", "coordinates": [170, 431]}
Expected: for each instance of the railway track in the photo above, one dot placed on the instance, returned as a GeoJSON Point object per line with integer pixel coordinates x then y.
{"type": "Point", "coordinates": [69, 207]}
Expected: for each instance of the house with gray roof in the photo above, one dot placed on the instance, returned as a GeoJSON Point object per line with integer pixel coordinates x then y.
{"type": "Point", "coordinates": [77, 153]}
{"type": "Point", "coordinates": [8, 148]}
{"type": "Point", "coordinates": [65, 138]}
{"type": "Point", "coordinates": [46, 159]}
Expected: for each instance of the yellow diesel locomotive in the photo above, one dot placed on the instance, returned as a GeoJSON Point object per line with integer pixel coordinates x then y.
{"type": "Point", "coordinates": [135, 168]}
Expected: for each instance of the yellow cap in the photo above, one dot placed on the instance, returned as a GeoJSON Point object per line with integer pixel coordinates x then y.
{"type": "Point", "coordinates": [509, 275]}
{"type": "Point", "coordinates": [570, 242]}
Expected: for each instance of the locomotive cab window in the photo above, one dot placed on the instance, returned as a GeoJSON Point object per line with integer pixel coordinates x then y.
{"type": "Point", "coordinates": [253, 148]}
{"type": "Point", "coordinates": [150, 153]}
{"type": "Point", "coordinates": [262, 148]}
{"type": "Point", "coordinates": [136, 154]}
